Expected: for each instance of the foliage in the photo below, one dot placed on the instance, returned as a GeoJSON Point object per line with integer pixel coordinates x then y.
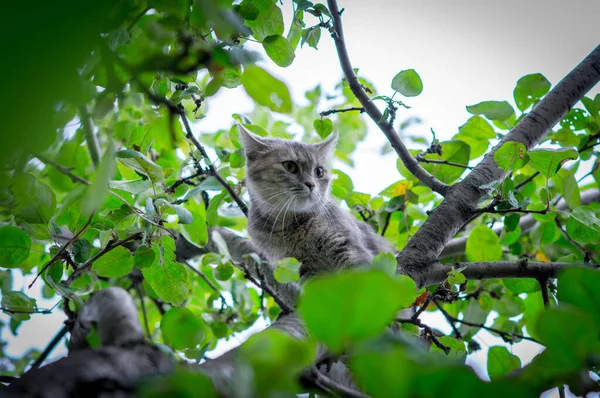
{"type": "Point", "coordinates": [99, 204]}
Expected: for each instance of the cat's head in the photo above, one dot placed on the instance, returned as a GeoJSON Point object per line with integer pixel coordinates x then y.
{"type": "Point", "coordinates": [285, 175]}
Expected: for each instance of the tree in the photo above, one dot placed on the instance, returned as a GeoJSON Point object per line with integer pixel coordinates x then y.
{"type": "Point", "coordinates": [119, 225]}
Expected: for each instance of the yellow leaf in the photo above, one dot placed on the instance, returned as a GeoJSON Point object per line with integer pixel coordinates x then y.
{"type": "Point", "coordinates": [542, 257]}
{"type": "Point", "coordinates": [400, 189]}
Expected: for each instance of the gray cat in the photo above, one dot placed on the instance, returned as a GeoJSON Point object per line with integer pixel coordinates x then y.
{"type": "Point", "coordinates": [291, 212]}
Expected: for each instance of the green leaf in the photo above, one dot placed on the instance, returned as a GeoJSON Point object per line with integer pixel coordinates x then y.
{"type": "Point", "coordinates": [311, 36]}
{"type": "Point", "coordinates": [248, 11]}
{"type": "Point", "coordinates": [274, 352]}
{"type": "Point", "coordinates": [567, 185]}
{"type": "Point", "coordinates": [82, 248]}
{"type": "Point", "coordinates": [583, 226]}
{"type": "Point", "coordinates": [342, 184]}
{"type": "Point", "coordinates": [579, 288]}
{"type": "Point", "coordinates": [483, 245]}
{"type": "Point", "coordinates": [224, 271]}
{"type": "Point", "coordinates": [144, 257]}
{"type": "Point", "coordinates": [196, 232]}
{"type": "Point", "coordinates": [335, 306]}
{"type": "Point", "coordinates": [493, 110]}
{"type": "Point", "coordinates": [408, 83]}
{"type": "Point", "coordinates": [476, 132]}
{"type": "Point", "coordinates": [95, 195]}
{"type": "Point", "coordinates": [14, 246]}
{"type": "Point", "coordinates": [168, 278]}
{"type": "Point", "coordinates": [530, 89]}
{"type": "Point", "coordinates": [452, 151]}
{"type": "Point", "coordinates": [266, 90]}
{"type": "Point", "coordinates": [134, 187]}
{"type": "Point", "coordinates": [279, 50]}
{"type": "Point", "coordinates": [181, 329]}
{"type": "Point", "coordinates": [385, 262]}
{"type": "Point", "coordinates": [457, 348]}
{"type": "Point", "coordinates": [500, 362]}
{"type": "Point", "coordinates": [140, 163]}
{"type": "Point", "coordinates": [34, 209]}
{"type": "Point", "coordinates": [521, 285]}
{"type": "Point", "coordinates": [323, 127]}
{"type": "Point", "coordinates": [114, 264]}
{"type": "Point", "coordinates": [268, 22]}
{"type": "Point", "coordinates": [511, 156]}
{"type": "Point", "coordinates": [549, 161]}
{"type": "Point", "coordinates": [287, 270]}
{"type": "Point", "coordinates": [20, 302]}
{"type": "Point", "coordinates": [408, 288]}
{"type": "Point", "coordinates": [456, 278]}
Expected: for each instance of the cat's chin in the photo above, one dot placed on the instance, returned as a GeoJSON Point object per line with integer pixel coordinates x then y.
{"type": "Point", "coordinates": [306, 204]}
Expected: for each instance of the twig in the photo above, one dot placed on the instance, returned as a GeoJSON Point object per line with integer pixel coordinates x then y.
{"type": "Point", "coordinates": [449, 318]}
{"type": "Point", "coordinates": [332, 111]}
{"type": "Point", "coordinates": [90, 138]}
{"type": "Point", "coordinates": [421, 159]}
{"type": "Point", "coordinates": [138, 289]}
{"type": "Point", "coordinates": [64, 170]}
{"type": "Point", "coordinates": [423, 307]}
{"type": "Point", "coordinates": [386, 223]}
{"type": "Point", "coordinates": [183, 180]}
{"type": "Point", "coordinates": [490, 209]}
{"type": "Point", "coordinates": [527, 181]}
{"type": "Point", "coordinates": [543, 281]}
{"type": "Point", "coordinates": [561, 391]}
{"type": "Point", "coordinates": [213, 171]}
{"type": "Point", "coordinates": [322, 380]}
{"type": "Point", "coordinates": [262, 284]}
{"type": "Point", "coordinates": [588, 143]}
{"type": "Point", "coordinates": [371, 109]}
{"type": "Point", "coordinates": [505, 335]}
{"type": "Point", "coordinates": [208, 281]}
{"type": "Point", "coordinates": [110, 246]}
{"type": "Point", "coordinates": [42, 311]}
{"type": "Point", "coordinates": [428, 332]}
{"type": "Point", "coordinates": [61, 251]}
{"type": "Point", "coordinates": [53, 343]}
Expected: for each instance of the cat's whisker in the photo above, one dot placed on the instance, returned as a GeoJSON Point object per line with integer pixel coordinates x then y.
{"type": "Point", "coordinates": [275, 222]}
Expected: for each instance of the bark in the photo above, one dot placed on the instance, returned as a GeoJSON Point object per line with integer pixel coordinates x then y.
{"type": "Point", "coordinates": [457, 246]}
{"type": "Point", "coordinates": [461, 201]}
{"type": "Point", "coordinates": [124, 358]}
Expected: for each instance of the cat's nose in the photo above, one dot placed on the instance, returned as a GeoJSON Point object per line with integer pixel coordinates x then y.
{"type": "Point", "coordinates": [310, 185]}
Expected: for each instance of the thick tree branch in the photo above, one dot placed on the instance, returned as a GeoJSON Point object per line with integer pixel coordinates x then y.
{"type": "Point", "coordinates": [371, 109]}
{"type": "Point", "coordinates": [457, 246]}
{"type": "Point", "coordinates": [459, 205]}
{"type": "Point", "coordinates": [438, 272]}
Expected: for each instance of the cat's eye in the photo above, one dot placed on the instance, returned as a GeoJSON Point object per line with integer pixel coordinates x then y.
{"type": "Point", "coordinates": [290, 166]}
{"type": "Point", "coordinates": [319, 172]}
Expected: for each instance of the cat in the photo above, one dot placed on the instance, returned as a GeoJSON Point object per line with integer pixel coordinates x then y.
{"type": "Point", "coordinates": [292, 213]}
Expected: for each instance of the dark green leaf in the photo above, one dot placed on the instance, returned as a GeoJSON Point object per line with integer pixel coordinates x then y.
{"type": "Point", "coordinates": [20, 303]}
{"type": "Point", "coordinates": [114, 264]}
{"type": "Point", "coordinates": [268, 22]}
{"type": "Point", "coordinates": [168, 278]}
{"type": "Point", "coordinates": [197, 231]}
{"type": "Point", "coordinates": [180, 328]}
{"type": "Point", "coordinates": [144, 257]}
{"type": "Point", "coordinates": [34, 209]}
{"type": "Point", "coordinates": [452, 151]}
{"type": "Point", "coordinates": [583, 226]}
{"type": "Point", "coordinates": [500, 362]}
{"type": "Point", "coordinates": [140, 163]}
{"type": "Point", "coordinates": [14, 246]}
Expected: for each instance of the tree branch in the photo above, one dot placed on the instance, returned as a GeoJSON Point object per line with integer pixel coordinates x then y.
{"type": "Point", "coordinates": [211, 168]}
{"type": "Point", "coordinates": [438, 272]}
{"type": "Point", "coordinates": [457, 245]}
{"type": "Point", "coordinates": [371, 109]}
{"type": "Point", "coordinates": [459, 205]}
{"type": "Point", "coordinates": [90, 137]}
{"type": "Point", "coordinates": [332, 111]}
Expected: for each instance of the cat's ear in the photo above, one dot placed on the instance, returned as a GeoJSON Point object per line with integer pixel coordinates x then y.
{"type": "Point", "coordinates": [251, 142]}
{"type": "Point", "coordinates": [326, 147]}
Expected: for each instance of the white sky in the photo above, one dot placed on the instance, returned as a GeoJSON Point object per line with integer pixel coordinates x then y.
{"type": "Point", "coordinates": [465, 51]}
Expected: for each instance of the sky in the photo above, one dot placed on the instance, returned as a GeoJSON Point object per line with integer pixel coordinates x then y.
{"type": "Point", "coordinates": [465, 51]}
